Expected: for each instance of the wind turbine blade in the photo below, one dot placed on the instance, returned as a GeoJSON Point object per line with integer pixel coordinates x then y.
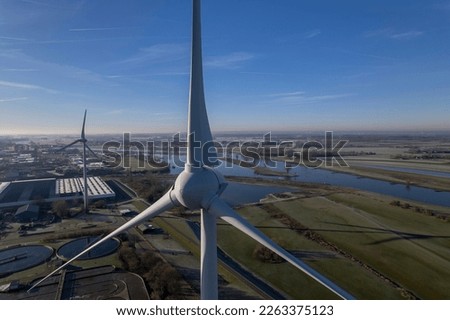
{"type": "Point", "coordinates": [69, 145]}
{"type": "Point", "coordinates": [90, 150]}
{"type": "Point", "coordinates": [226, 213]}
{"type": "Point", "coordinates": [208, 257]}
{"type": "Point", "coordinates": [83, 137]}
{"type": "Point", "coordinates": [199, 133]}
{"type": "Point", "coordinates": [163, 204]}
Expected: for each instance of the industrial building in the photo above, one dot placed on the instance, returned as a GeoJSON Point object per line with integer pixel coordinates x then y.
{"type": "Point", "coordinates": [19, 193]}
{"type": "Point", "coordinates": [97, 188]}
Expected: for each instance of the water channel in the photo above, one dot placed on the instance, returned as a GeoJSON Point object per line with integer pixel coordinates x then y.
{"type": "Point", "coordinates": [317, 175]}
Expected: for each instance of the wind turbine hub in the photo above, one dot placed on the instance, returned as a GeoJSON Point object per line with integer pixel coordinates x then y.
{"type": "Point", "coordinates": [194, 189]}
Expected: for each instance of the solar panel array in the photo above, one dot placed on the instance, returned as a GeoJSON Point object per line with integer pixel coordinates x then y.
{"type": "Point", "coordinates": [96, 187]}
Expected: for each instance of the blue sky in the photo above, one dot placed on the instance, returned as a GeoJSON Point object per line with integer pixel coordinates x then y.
{"type": "Point", "coordinates": [286, 65]}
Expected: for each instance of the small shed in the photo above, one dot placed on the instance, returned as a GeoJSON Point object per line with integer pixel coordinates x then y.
{"type": "Point", "coordinates": [27, 213]}
{"type": "Point", "coordinates": [146, 228]}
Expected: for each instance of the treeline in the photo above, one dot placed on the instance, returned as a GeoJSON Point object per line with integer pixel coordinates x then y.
{"type": "Point", "coordinates": [162, 280]}
{"type": "Point", "coordinates": [422, 210]}
{"type": "Point", "coordinates": [266, 255]}
{"type": "Point", "coordinates": [148, 187]}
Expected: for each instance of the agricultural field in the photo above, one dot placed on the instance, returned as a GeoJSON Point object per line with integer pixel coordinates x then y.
{"type": "Point", "coordinates": [373, 246]}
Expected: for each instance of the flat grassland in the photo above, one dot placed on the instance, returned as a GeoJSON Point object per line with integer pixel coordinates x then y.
{"type": "Point", "coordinates": [368, 244]}
{"type": "Point", "coordinates": [383, 169]}
{"type": "Point", "coordinates": [420, 161]}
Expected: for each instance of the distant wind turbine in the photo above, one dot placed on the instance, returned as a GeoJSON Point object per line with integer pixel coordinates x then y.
{"type": "Point", "coordinates": [83, 140]}
{"type": "Point", "coordinates": [199, 186]}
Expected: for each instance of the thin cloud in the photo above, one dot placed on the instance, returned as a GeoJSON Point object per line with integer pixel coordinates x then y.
{"type": "Point", "coordinates": [230, 61]}
{"type": "Point", "coordinates": [146, 75]}
{"type": "Point", "coordinates": [406, 35]}
{"type": "Point", "coordinates": [94, 29]}
{"type": "Point", "coordinates": [257, 73]}
{"type": "Point", "coordinates": [157, 53]}
{"type": "Point", "coordinates": [300, 97]}
{"type": "Point", "coordinates": [116, 112]}
{"type": "Point", "coordinates": [328, 97]}
{"type": "Point", "coordinates": [170, 74]}
{"type": "Point", "coordinates": [312, 34]}
{"type": "Point", "coordinates": [163, 113]}
{"type": "Point", "coordinates": [287, 94]}
{"type": "Point", "coordinates": [13, 38]}
{"type": "Point", "coordinates": [58, 71]}
{"type": "Point", "coordinates": [62, 41]}
{"type": "Point", "coordinates": [19, 70]}
{"type": "Point", "coordinates": [26, 86]}
{"type": "Point", "coordinates": [13, 99]}
{"type": "Point", "coordinates": [392, 34]}
{"type": "Point", "coordinates": [39, 3]}
{"type": "Point", "coordinates": [155, 74]}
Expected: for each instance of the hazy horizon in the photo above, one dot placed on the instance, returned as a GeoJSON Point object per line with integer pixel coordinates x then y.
{"type": "Point", "coordinates": [286, 66]}
{"type": "Point", "coordinates": [261, 133]}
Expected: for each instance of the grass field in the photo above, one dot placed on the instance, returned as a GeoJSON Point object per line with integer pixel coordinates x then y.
{"type": "Point", "coordinates": [136, 165]}
{"type": "Point", "coordinates": [360, 241]}
{"type": "Point", "coordinates": [421, 180]}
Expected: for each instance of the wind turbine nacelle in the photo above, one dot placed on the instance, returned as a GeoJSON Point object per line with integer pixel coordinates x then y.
{"type": "Point", "coordinates": [194, 189]}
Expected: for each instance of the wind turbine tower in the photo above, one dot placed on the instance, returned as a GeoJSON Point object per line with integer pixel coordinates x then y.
{"type": "Point", "coordinates": [199, 187]}
{"type": "Point", "coordinates": [83, 140]}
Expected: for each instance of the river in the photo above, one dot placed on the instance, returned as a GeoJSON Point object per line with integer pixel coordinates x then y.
{"type": "Point", "coordinates": [317, 175]}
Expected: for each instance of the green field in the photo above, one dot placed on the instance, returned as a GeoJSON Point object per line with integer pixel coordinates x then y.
{"type": "Point", "coordinates": [140, 165]}
{"type": "Point", "coordinates": [368, 246]}
{"type": "Point", "coordinates": [407, 178]}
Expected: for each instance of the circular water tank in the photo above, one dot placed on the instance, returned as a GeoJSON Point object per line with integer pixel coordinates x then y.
{"type": "Point", "coordinates": [74, 247]}
{"type": "Point", "coordinates": [18, 258]}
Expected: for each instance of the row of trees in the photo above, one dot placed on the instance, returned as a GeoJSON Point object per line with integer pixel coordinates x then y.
{"type": "Point", "coordinates": [149, 187]}
{"type": "Point", "coordinates": [63, 208]}
{"type": "Point", "coordinates": [162, 280]}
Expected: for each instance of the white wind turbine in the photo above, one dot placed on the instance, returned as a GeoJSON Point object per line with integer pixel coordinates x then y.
{"type": "Point", "coordinates": [83, 140]}
{"type": "Point", "coordinates": [199, 187]}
